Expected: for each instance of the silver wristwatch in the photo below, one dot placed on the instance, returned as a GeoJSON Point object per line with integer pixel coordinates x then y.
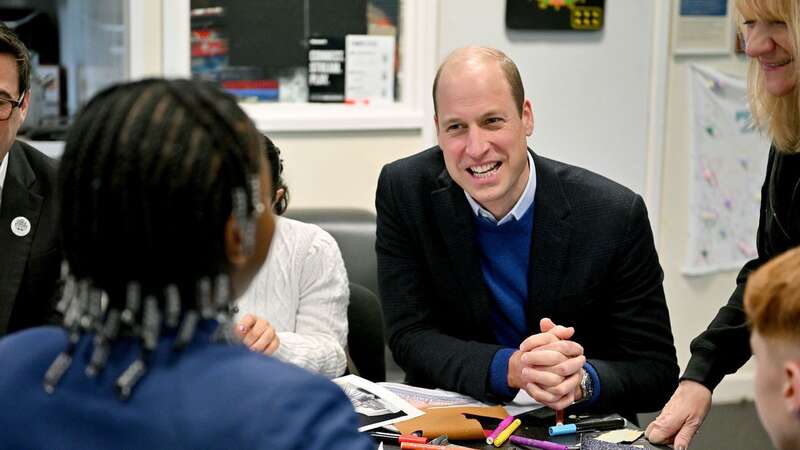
{"type": "Point", "coordinates": [587, 389]}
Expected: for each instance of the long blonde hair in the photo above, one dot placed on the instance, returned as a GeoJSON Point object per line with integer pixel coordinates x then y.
{"type": "Point", "coordinates": [777, 116]}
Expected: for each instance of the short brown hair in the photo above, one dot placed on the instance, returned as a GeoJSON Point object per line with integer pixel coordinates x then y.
{"type": "Point", "coordinates": [10, 44]}
{"type": "Point", "coordinates": [508, 67]}
{"type": "Point", "coordinates": [772, 297]}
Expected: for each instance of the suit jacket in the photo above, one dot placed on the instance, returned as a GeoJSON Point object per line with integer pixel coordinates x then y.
{"type": "Point", "coordinates": [593, 265]}
{"type": "Point", "coordinates": [29, 278]}
{"type": "Point", "coordinates": [725, 346]}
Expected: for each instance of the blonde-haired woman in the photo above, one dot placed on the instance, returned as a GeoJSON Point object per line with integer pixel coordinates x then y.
{"type": "Point", "coordinates": [771, 30]}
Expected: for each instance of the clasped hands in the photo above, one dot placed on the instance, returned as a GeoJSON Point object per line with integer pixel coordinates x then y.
{"type": "Point", "coordinates": [549, 366]}
{"type": "Point", "coordinates": [257, 334]}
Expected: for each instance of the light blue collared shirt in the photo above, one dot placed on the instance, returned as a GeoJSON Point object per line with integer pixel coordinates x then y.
{"type": "Point", "coordinates": [522, 205]}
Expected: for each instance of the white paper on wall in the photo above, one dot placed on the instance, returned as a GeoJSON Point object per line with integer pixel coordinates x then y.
{"type": "Point", "coordinates": [369, 74]}
{"type": "Point", "coordinates": [727, 165]}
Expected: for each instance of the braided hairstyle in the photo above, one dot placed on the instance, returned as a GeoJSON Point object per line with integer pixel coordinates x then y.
{"type": "Point", "coordinates": [146, 181]}
{"type": "Point", "coordinates": [276, 169]}
{"type": "Point", "coordinates": [151, 172]}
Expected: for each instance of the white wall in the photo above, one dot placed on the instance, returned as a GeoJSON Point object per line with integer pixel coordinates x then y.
{"type": "Point", "coordinates": [693, 301]}
{"type": "Point", "coordinates": [340, 169]}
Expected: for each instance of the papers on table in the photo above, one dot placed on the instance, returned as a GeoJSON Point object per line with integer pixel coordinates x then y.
{"type": "Point", "coordinates": [375, 405]}
{"type": "Point", "coordinates": [382, 404]}
{"type": "Point", "coordinates": [429, 398]}
{"type": "Point", "coordinates": [522, 403]}
{"type": "Point", "coordinates": [423, 398]}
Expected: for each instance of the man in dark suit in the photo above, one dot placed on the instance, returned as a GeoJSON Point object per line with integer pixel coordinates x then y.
{"type": "Point", "coordinates": [30, 248]}
{"type": "Point", "coordinates": [484, 246]}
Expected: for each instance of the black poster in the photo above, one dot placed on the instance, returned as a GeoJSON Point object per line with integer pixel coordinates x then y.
{"type": "Point", "coordinates": [326, 61]}
{"type": "Point", "coordinates": [575, 15]}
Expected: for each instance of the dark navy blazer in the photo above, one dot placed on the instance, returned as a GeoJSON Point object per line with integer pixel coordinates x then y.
{"type": "Point", "coordinates": [593, 265]}
{"type": "Point", "coordinates": [30, 264]}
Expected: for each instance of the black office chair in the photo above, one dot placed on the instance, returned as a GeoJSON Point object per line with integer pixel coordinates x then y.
{"type": "Point", "coordinates": [365, 338]}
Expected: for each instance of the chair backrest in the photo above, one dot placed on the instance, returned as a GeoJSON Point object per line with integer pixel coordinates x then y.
{"type": "Point", "coordinates": [354, 231]}
{"type": "Point", "coordinates": [365, 338]}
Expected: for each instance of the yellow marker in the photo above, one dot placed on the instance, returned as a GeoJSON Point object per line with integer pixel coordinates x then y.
{"type": "Point", "coordinates": [507, 432]}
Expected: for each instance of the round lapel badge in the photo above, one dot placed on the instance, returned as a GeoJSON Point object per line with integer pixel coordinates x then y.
{"type": "Point", "coordinates": [20, 226]}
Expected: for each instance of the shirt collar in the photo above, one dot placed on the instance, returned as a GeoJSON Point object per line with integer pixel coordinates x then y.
{"type": "Point", "coordinates": [520, 208]}
{"type": "Point", "coordinates": [3, 171]}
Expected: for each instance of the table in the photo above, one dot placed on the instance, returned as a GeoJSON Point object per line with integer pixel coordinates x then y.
{"type": "Point", "coordinates": [534, 425]}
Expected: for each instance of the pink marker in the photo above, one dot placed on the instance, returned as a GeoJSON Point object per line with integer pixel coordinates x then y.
{"type": "Point", "coordinates": [503, 425]}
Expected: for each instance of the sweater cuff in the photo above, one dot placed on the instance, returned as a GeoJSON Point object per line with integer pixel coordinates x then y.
{"type": "Point", "coordinates": [498, 374]}
{"type": "Point", "coordinates": [700, 369]}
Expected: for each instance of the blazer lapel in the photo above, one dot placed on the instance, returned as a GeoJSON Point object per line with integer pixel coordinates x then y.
{"type": "Point", "coordinates": [549, 242]}
{"type": "Point", "coordinates": [455, 222]}
{"type": "Point", "coordinates": [19, 200]}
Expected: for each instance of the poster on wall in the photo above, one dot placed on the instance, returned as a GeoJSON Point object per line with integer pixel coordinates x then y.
{"type": "Point", "coordinates": [326, 68]}
{"type": "Point", "coordinates": [703, 27]}
{"type": "Point", "coordinates": [573, 15]}
{"type": "Point", "coordinates": [727, 162]}
{"type": "Point", "coordinates": [369, 77]}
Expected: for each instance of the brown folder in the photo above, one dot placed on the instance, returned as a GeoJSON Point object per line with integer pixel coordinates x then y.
{"type": "Point", "coordinates": [451, 421]}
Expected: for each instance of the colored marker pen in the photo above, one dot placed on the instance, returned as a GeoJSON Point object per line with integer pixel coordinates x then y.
{"type": "Point", "coordinates": [384, 436]}
{"type": "Point", "coordinates": [543, 445]}
{"type": "Point", "coordinates": [503, 425]}
{"type": "Point", "coordinates": [415, 446]}
{"type": "Point", "coordinates": [503, 436]}
{"type": "Point", "coordinates": [397, 437]}
{"type": "Point", "coordinates": [586, 425]}
{"type": "Point", "coordinates": [412, 438]}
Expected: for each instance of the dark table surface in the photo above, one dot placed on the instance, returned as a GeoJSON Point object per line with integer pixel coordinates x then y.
{"type": "Point", "coordinates": [534, 425]}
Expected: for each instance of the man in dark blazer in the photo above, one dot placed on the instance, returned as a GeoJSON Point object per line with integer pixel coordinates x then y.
{"type": "Point", "coordinates": [30, 248]}
{"type": "Point", "coordinates": [484, 246]}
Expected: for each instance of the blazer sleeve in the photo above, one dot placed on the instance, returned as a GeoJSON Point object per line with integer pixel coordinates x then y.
{"type": "Point", "coordinates": [428, 355]}
{"type": "Point", "coordinates": [644, 371]}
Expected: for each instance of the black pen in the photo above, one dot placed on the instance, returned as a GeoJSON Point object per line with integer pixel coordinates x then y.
{"type": "Point", "coordinates": [585, 425]}
{"type": "Point", "coordinates": [385, 436]}
{"type": "Point", "coordinates": [394, 438]}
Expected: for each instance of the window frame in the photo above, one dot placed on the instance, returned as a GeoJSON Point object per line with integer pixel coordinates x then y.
{"type": "Point", "coordinates": [418, 44]}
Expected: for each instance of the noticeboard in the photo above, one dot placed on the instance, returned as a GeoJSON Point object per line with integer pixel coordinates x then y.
{"type": "Point", "coordinates": [570, 15]}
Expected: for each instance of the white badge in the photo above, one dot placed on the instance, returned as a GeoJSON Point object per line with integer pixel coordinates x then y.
{"type": "Point", "coordinates": [20, 226]}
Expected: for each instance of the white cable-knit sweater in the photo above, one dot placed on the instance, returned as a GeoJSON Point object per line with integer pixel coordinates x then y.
{"type": "Point", "coordinates": [302, 291]}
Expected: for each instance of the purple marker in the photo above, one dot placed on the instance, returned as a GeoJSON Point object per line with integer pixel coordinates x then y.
{"type": "Point", "coordinates": [544, 445]}
{"type": "Point", "coordinates": [503, 425]}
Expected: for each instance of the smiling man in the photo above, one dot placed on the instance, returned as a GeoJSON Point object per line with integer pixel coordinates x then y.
{"type": "Point", "coordinates": [501, 270]}
{"type": "Point", "coordinates": [30, 248]}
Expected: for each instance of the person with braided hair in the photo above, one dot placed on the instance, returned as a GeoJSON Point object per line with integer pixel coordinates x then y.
{"type": "Point", "coordinates": [163, 192]}
{"type": "Point", "coordinates": [296, 307]}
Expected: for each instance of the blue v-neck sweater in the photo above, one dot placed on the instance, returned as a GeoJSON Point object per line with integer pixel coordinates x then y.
{"type": "Point", "coordinates": [505, 254]}
{"type": "Point", "coordinates": [505, 259]}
